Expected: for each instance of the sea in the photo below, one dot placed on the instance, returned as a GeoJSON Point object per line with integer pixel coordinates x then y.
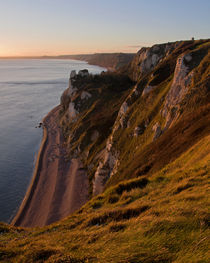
{"type": "Point", "coordinates": [29, 89]}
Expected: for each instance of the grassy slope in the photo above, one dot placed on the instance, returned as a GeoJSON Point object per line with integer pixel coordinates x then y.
{"type": "Point", "coordinates": [161, 215]}
{"type": "Point", "coordinates": [98, 113]}
{"type": "Point", "coordinates": [160, 219]}
{"type": "Point", "coordinates": [107, 60]}
{"type": "Point", "coordinates": [194, 121]}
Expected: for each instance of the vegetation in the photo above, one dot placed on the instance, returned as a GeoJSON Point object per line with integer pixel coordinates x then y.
{"type": "Point", "coordinates": [160, 219]}
{"type": "Point", "coordinates": [108, 60]}
{"type": "Point", "coordinates": [155, 206]}
{"type": "Point", "coordinates": [97, 114]}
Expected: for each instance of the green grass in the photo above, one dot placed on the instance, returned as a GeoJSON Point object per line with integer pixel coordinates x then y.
{"type": "Point", "coordinates": [162, 219]}
{"type": "Point", "coordinates": [148, 156]}
{"type": "Point", "coordinates": [155, 208]}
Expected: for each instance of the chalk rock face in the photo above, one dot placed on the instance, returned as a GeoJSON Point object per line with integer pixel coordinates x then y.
{"type": "Point", "coordinates": [122, 118]}
{"type": "Point", "coordinates": [147, 58]}
{"type": "Point", "coordinates": [110, 163]}
{"type": "Point", "coordinates": [72, 111]}
{"type": "Point", "coordinates": [179, 88]}
{"type": "Point", "coordinates": [70, 99]}
{"type": "Point", "coordinates": [147, 90]}
{"type": "Point", "coordinates": [136, 90]}
{"type": "Point", "coordinates": [123, 109]}
{"type": "Point", "coordinates": [139, 129]}
{"type": "Point", "coordinates": [122, 113]}
{"type": "Point", "coordinates": [73, 74]}
{"type": "Point", "coordinates": [157, 131]}
{"type": "Point", "coordinates": [105, 168]}
{"type": "Point", "coordinates": [83, 73]}
{"type": "Point", "coordinates": [143, 63]}
{"type": "Point", "coordinates": [71, 88]}
{"type": "Point", "coordinates": [85, 95]}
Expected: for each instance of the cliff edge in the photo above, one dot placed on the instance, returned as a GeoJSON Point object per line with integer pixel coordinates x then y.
{"type": "Point", "coordinates": [142, 136]}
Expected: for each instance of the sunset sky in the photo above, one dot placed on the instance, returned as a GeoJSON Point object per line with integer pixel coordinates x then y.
{"type": "Point", "coordinates": [54, 27]}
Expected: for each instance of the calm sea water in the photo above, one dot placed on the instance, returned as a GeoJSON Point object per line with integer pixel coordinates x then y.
{"type": "Point", "coordinates": [29, 89]}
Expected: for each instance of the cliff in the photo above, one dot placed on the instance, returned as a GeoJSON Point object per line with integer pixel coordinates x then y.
{"type": "Point", "coordinates": [142, 135]}
{"type": "Point", "coordinates": [112, 61]}
{"type": "Point", "coordinates": [164, 86]}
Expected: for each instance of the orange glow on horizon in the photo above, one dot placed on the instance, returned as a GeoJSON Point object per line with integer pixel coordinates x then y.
{"type": "Point", "coordinates": [34, 52]}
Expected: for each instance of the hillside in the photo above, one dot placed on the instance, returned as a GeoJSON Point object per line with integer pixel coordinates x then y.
{"type": "Point", "coordinates": [112, 61]}
{"type": "Point", "coordinates": [143, 136]}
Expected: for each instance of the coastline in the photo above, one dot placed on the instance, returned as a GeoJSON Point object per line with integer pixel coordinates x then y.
{"type": "Point", "coordinates": [35, 177]}
{"type": "Point", "coordinates": [58, 187]}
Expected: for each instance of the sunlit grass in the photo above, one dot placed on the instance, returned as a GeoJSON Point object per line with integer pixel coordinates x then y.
{"type": "Point", "coordinates": [164, 220]}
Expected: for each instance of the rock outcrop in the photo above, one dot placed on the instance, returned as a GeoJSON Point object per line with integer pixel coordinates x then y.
{"type": "Point", "coordinates": [143, 64]}
{"type": "Point", "coordinates": [157, 131]}
{"type": "Point", "coordinates": [143, 147]}
{"type": "Point", "coordinates": [147, 58]}
{"type": "Point", "coordinates": [70, 93]}
{"type": "Point", "coordinates": [83, 125]}
{"type": "Point", "coordinates": [110, 119]}
{"type": "Point", "coordinates": [147, 90]}
{"type": "Point", "coordinates": [179, 88]}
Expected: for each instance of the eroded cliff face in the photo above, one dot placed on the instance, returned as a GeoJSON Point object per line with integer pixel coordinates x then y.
{"type": "Point", "coordinates": [180, 85]}
{"type": "Point", "coordinates": [146, 146]}
{"type": "Point", "coordinates": [148, 58]}
{"type": "Point", "coordinates": [160, 106]}
{"type": "Point", "coordinates": [111, 120]}
{"type": "Point", "coordinates": [89, 108]}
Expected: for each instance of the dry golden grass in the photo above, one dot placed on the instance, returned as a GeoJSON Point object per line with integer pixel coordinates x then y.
{"type": "Point", "coordinates": [164, 220]}
{"type": "Point", "coordinates": [159, 216]}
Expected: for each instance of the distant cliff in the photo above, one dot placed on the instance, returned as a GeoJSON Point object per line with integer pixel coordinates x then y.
{"type": "Point", "coordinates": [112, 61]}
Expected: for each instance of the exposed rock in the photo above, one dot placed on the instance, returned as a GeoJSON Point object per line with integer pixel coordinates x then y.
{"type": "Point", "coordinates": [85, 95]}
{"type": "Point", "coordinates": [73, 74]}
{"type": "Point", "coordinates": [147, 58]}
{"type": "Point", "coordinates": [109, 164]}
{"type": "Point", "coordinates": [121, 115]}
{"type": "Point", "coordinates": [136, 90]}
{"type": "Point", "coordinates": [139, 130]}
{"type": "Point", "coordinates": [179, 88]}
{"type": "Point", "coordinates": [148, 89]}
{"type": "Point", "coordinates": [146, 122]}
{"type": "Point", "coordinates": [71, 89]}
{"type": "Point", "coordinates": [72, 111]}
{"type": "Point", "coordinates": [136, 131]}
{"type": "Point", "coordinates": [106, 167]}
{"type": "Point", "coordinates": [99, 179]}
{"type": "Point", "coordinates": [83, 73]}
{"type": "Point", "coordinates": [103, 172]}
{"type": "Point", "coordinates": [123, 108]}
{"type": "Point", "coordinates": [157, 131]}
{"type": "Point", "coordinates": [152, 71]}
{"type": "Point", "coordinates": [67, 98]}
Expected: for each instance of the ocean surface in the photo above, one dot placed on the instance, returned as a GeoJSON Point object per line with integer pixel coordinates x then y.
{"type": "Point", "coordinates": [29, 89]}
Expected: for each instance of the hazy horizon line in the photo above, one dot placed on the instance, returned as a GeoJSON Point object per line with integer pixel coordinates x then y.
{"type": "Point", "coordinates": [63, 55]}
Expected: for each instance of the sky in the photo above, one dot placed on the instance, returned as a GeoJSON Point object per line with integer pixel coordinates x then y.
{"type": "Point", "coordinates": [55, 27]}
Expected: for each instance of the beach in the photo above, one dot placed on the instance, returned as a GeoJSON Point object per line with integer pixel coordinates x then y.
{"type": "Point", "coordinates": [58, 187]}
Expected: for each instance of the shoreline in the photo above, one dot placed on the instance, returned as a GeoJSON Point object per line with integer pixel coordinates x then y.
{"type": "Point", "coordinates": [53, 191]}
{"type": "Point", "coordinates": [35, 176]}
